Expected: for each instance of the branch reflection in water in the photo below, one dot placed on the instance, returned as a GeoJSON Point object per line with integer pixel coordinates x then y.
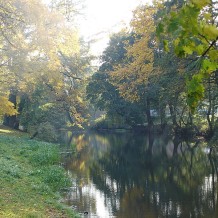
{"type": "Point", "coordinates": [127, 175]}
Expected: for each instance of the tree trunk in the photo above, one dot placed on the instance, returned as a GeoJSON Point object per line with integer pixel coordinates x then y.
{"type": "Point", "coordinates": [163, 121]}
{"type": "Point", "coordinates": [151, 142]}
{"type": "Point", "coordinates": [148, 113]}
{"type": "Point", "coordinates": [211, 110]}
{"type": "Point", "coordinates": [190, 121]}
{"type": "Point", "coordinates": [173, 115]}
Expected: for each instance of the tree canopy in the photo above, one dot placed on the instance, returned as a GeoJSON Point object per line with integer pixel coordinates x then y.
{"type": "Point", "coordinates": [43, 62]}
{"type": "Point", "coordinates": [159, 70]}
{"type": "Point", "coordinates": [193, 33]}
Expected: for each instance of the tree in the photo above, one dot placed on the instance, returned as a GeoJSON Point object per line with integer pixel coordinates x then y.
{"type": "Point", "coordinates": [194, 33]}
{"type": "Point", "coordinates": [10, 19]}
{"type": "Point", "coordinates": [135, 73]}
{"type": "Point", "coordinates": [133, 78]}
{"type": "Point", "coordinates": [100, 90]}
{"type": "Point", "coordinates": [69, 8]}
{"type": "Point", "coordinates": [6, 107]}
{"type": "Point", "coordinates": [45, 65]}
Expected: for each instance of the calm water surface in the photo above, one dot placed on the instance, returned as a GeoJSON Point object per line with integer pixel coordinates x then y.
{"type": "Point", "coordinates": [126, 175]}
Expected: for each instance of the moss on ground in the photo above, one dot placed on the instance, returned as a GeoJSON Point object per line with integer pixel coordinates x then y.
{"type": "Point", "coordinates": [31, 179]}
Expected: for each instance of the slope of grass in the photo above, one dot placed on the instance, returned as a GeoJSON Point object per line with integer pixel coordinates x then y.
{"type": "Point", "coordinates": [30, 178]}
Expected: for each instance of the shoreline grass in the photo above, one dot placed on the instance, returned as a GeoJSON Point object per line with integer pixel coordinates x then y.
{"type": "Point", "coordinates": [31, 178]}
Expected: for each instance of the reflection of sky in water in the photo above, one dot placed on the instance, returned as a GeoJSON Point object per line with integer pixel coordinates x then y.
{"type": "Point", "coordinates": [208, 187]}
{"type": "Point", "coordinates": [174, 180]}
{"type": "Point", "coordinates": [101, 209]}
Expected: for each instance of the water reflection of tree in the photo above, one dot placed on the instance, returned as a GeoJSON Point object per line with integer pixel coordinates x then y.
{"type": "Point", "coordinates": [133, 173]}
{"type": "Point", "coordinates": [87, 150]}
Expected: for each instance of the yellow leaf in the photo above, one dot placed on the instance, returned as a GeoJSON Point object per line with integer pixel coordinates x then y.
{"type": "Point", "coordinates": [6, 107]}
{"type": "Point", "coordinates": [201, 3]}
{"type": "Point", "coordinates": [213, 55]}
{"type": "Point", "coordinates": [211, 31]}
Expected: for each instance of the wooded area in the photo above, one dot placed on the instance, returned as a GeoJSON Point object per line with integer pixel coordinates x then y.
{"type": "Point", "coordinates": [161, 71]}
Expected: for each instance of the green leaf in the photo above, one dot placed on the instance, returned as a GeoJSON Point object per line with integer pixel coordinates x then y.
{"type": "Point", "coordinates": [211, 31]}
{"type": "Point", "coordinates": [188, 50]}
{"type": "Point", "coordinates": [209, 66]}
{"type": "Point", "coordinates": [159, 29]}
{"type": "Point", "coordinates": [195, 91]}
{"type": "Point", "coordinates": [179, 51]}
{"type": "Point", "coordinates": [173, 25]}
{"type": "Point", "coordinates": [200, 49]}
{"type": "Point", "coordinates": [166, 45]}
{"type": "Point", "coordinates": [201, 3]}
{"type": "Point", "coordinates": [213, 54]}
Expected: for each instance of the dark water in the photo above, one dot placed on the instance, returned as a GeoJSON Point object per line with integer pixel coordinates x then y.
{"type": "Point", "coordinates": [127, 175]}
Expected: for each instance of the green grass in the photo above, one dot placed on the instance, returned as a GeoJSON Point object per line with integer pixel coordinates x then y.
{"type": "Point", "coordinates": [31, 179]}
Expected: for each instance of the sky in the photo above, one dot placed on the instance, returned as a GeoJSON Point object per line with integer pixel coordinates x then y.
{"type": "Point", "coordinates": [103, 17]}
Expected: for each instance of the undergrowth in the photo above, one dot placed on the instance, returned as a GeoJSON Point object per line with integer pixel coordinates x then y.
{"type": "Point", "coordinates": [31, 178]}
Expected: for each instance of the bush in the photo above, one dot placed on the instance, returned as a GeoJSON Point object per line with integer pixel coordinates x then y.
{"type": "Point", "coordinates": [40, 115]}
{"type": "Point", "coordinates": [47, 132]}
{"type": "Point", "coordinates": [110, 122]}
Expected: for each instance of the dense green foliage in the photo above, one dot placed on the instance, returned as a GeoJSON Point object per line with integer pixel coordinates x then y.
{"type": "Point", "coordinates": [193, 33]}
{"type": "Point", "coordinates": [164, 79]}
{"type": "Point", "coordinates": [103, 94]}
{"type": "Point", "coordinates": [159, 71]}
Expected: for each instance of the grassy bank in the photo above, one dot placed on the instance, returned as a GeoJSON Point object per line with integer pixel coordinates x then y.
{"type": "Point", "coordinates": [30, 177]}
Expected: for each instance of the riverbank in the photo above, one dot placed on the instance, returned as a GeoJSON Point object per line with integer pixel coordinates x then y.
{"type": "Point", "coordinates": [31, 179]}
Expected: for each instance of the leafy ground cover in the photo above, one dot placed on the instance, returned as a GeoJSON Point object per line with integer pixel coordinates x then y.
{"type": "Point", "coordinates": [31, 178]}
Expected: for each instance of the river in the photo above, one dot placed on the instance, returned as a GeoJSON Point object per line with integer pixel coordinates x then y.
{"type": "Point", "coordinates": [127, 175]}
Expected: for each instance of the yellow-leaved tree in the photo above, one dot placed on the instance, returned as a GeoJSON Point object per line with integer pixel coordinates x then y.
{"type": "Point", "coordinates": [130, 77]}
{"type": "Point", "coordinates": [42, 60]}
{"type": "Point", "coordinates": [6, 107]}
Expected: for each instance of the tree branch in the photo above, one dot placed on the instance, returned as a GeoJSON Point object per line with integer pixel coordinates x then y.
{"type": "Point", "coordinates": [208, 49]}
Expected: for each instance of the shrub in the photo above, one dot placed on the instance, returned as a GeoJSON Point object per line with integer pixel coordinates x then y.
{"type": "Point", "coordinates": [47, 132]}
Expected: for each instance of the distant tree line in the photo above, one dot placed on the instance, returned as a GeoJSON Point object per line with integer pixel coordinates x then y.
{"type": "Point", "coordinates": [163, 69]}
